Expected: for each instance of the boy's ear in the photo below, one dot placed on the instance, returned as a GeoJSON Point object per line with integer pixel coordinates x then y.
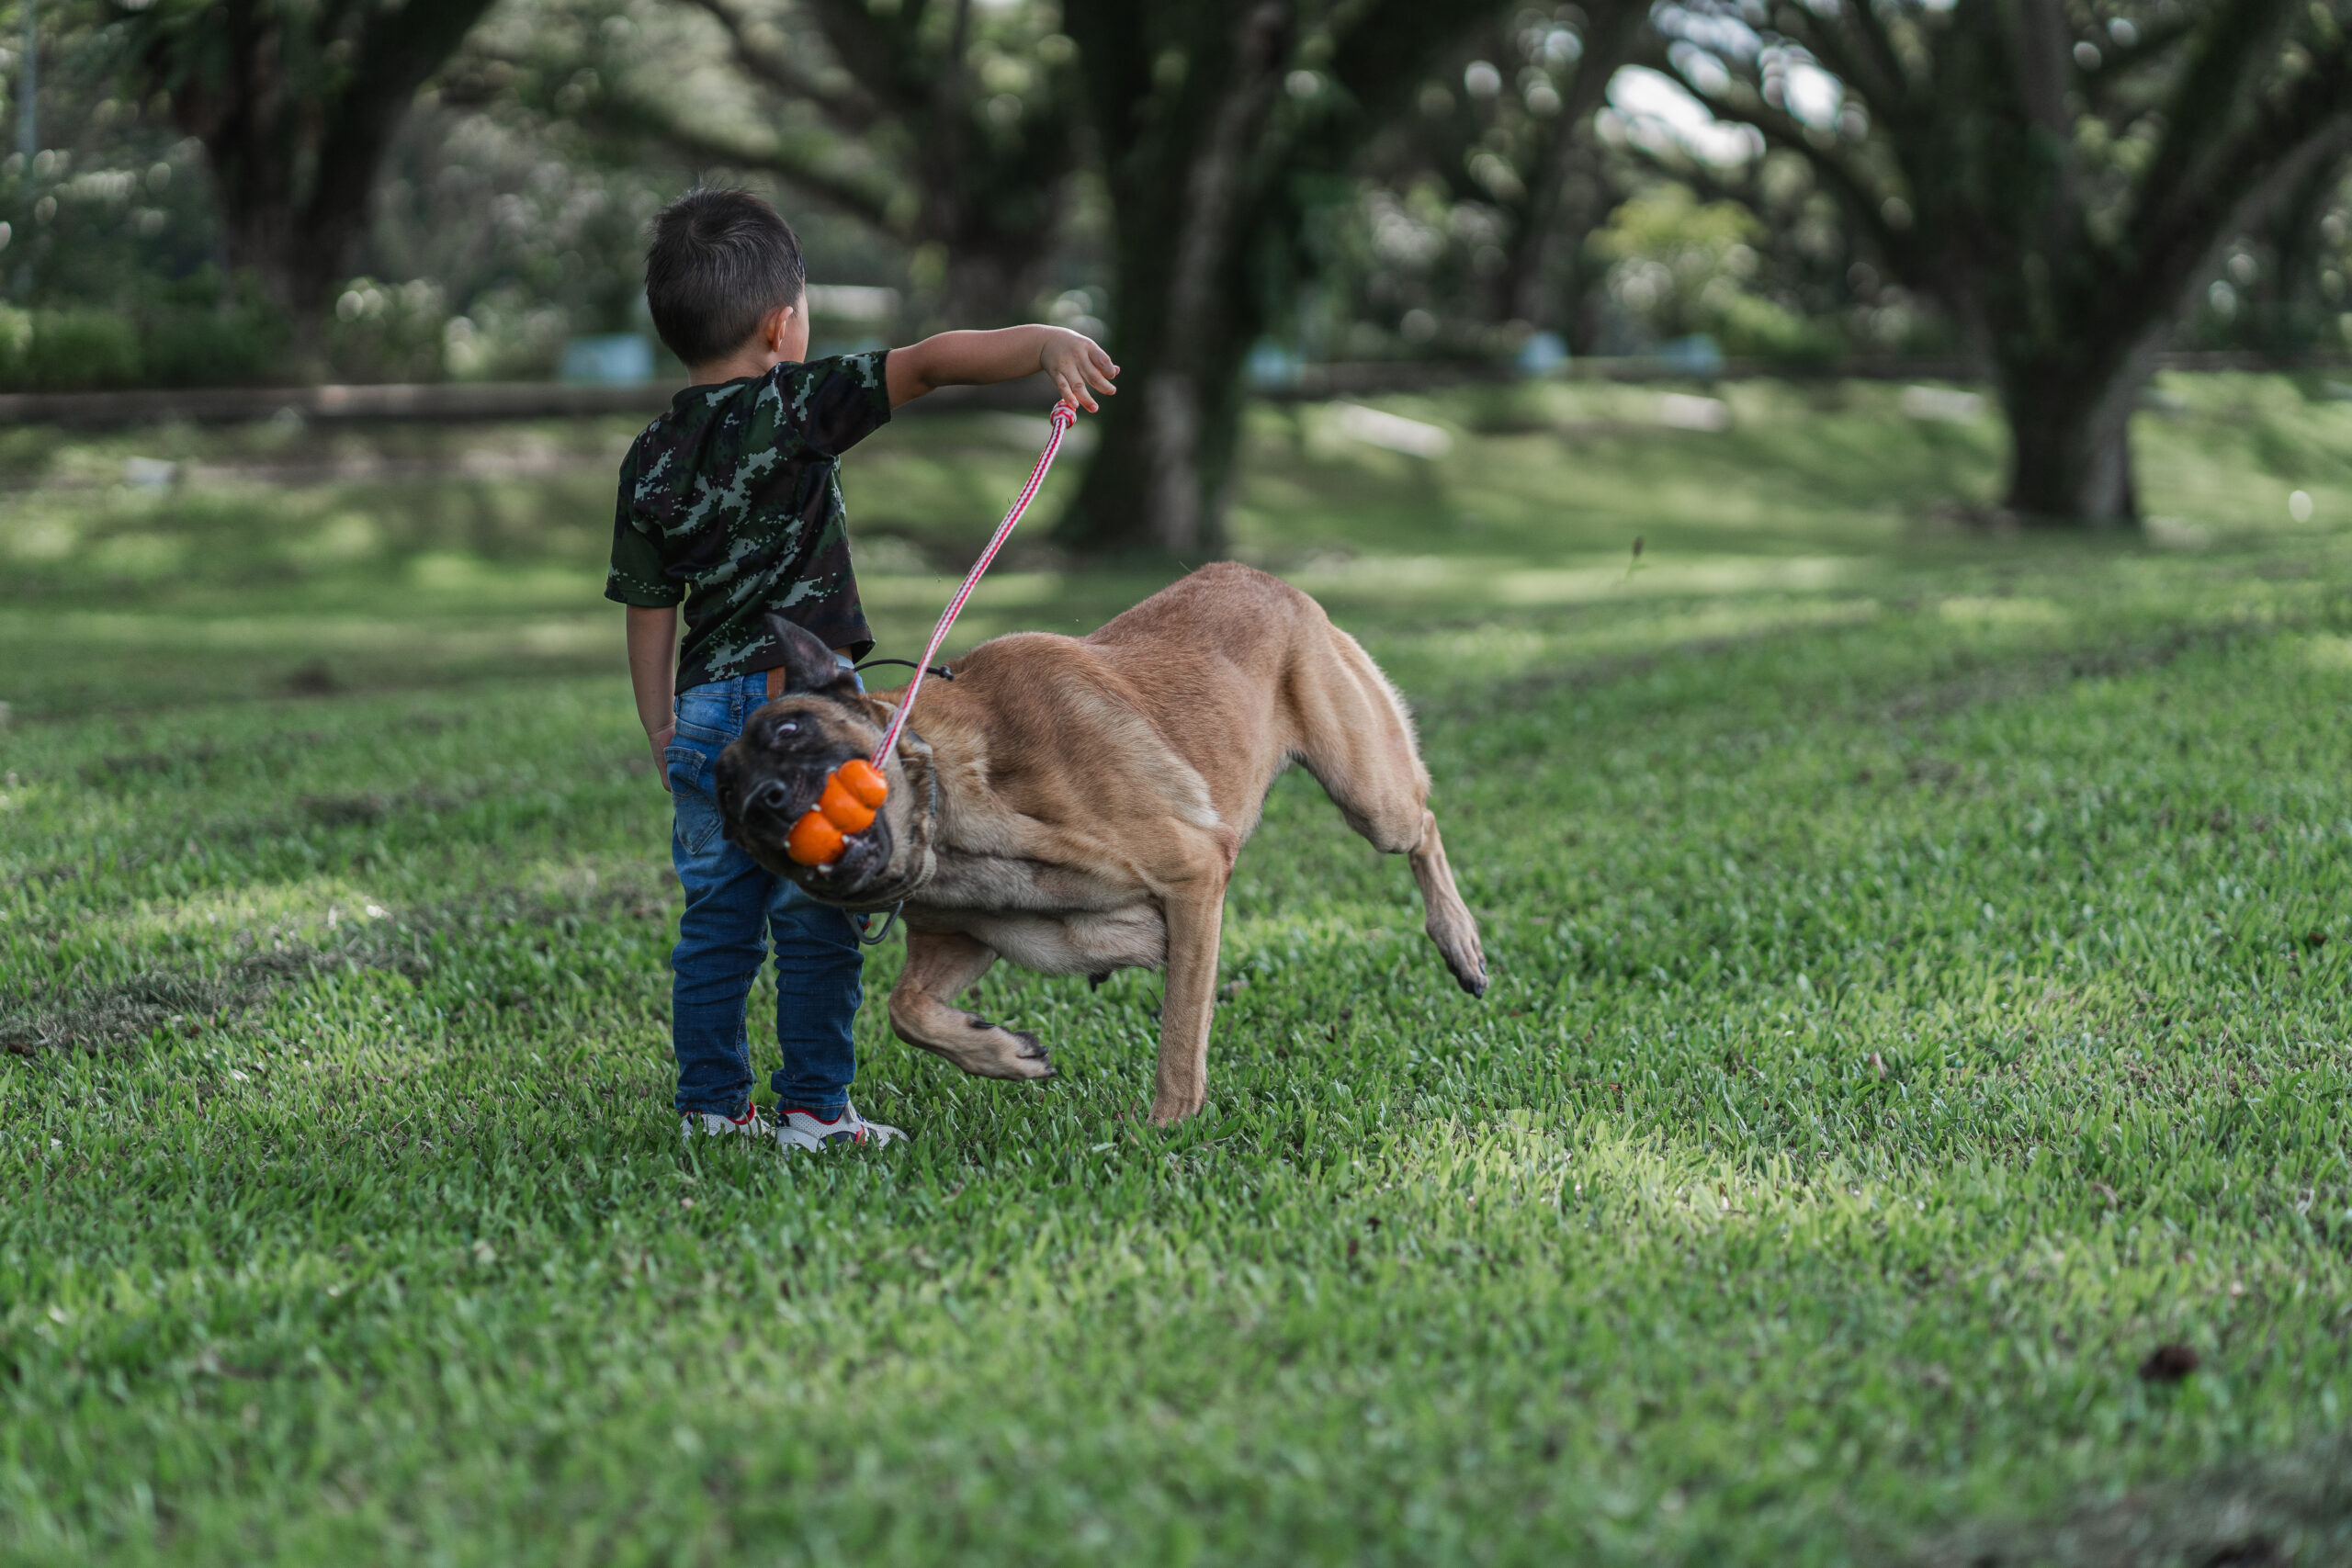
{"type": "Point", "coordinates": [808, 665]}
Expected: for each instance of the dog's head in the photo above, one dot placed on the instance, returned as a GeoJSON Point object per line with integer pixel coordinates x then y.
{"type": "Point", "coordinates": [774, 771]}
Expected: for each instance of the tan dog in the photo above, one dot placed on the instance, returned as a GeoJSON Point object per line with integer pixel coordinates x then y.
{"type": "Point", "coordinates": [1074, 805]}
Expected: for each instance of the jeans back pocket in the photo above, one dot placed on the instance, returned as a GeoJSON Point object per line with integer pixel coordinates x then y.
{"type": "Point", "coordinates": [692, 797]}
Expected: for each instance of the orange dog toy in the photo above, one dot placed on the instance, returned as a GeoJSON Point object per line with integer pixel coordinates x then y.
{"type": "Point", "coordinates": [853, 793]}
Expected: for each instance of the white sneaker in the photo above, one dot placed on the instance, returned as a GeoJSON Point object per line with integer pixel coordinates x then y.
{"type": "Point", "coordinates": [710, 1124]}
{"type": "Point", "coordinates": [804, 1130]}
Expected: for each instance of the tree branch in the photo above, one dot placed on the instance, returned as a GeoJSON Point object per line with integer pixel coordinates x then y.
{"type": "Point", "coordinates": [1838, 45]}
{"type": "Point", "coordinates": [841, 192]}
{"type": "Point", "coordinates": [1879, 48]}
{"type": "Point", "coordinates": [1851, 184]}
{"type": "Point", "coordinates": [882, 51]}
{"type": "Point", "coordinates": [1386, 44]}
{"type": "Point", "coordinates": [2156, 40]}
{"type": "Point", "coordinates": [2314, 112]}
{"type": "Point", "coordinates": [2208, 93]}
{"type": "Point", "coordinates": [852, 111]}
{"type": "Point", "coordinates": [393, 56]}
{"type": "Point", "coordinates": [2123, 77]}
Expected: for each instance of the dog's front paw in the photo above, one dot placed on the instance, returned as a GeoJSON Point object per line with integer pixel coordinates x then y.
{"type": "Point", "coordinates": [991, 1051]}
{"type": "Point", "coordinates": [1031, 1058]}
{"type": "Point", "coordinates": [1168, 1109]}
{"type": "Point", "coordinates": [1457, 941]}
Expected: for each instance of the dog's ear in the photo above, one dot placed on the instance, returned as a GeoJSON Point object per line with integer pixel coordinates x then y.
{"type": "Point", "coordinates": [808, 665]}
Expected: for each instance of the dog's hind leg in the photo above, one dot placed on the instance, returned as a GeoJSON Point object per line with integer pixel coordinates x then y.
{"type": "Point", "coordinates": [1356, 740]}
{"type": "Point", "coordinates": [941, 966]}
{"type": "Point", "coordinates": [1194, 909]}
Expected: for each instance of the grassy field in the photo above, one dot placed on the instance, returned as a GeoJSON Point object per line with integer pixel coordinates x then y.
{"type": "Point", "coordinates": [1921, 994]}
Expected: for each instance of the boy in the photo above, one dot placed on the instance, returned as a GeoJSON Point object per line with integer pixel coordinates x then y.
{"type": "Point", "coordinates": [731, 504]}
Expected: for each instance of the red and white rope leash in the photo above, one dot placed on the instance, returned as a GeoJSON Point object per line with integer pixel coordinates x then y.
{"type": "Point", "coordinates": [1065, 415]}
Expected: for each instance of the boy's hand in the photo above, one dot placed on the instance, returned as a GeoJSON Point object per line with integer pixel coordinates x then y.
{"type": "Point", "coordinates": [1077, 362]}
{"type": "Point", "coordinates": [659, 740]}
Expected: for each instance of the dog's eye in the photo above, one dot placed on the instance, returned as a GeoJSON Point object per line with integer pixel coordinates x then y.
{"type": "Point", "coordinates": [783, 727]}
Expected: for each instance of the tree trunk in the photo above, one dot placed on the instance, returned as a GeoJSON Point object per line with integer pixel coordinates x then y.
{"type": "Point", "coordinates": [1204, 177]}
{"type": "Point", "coordinates": [1162, 479]}
{"type": "Point", "coordinates": [295, 149]}
{"type": "Point", "coordinates": [1188, 199]}
{"type": "Point", "coordinates": [1984, 115]}
{"type": "Point", "coordinates": [2070, 459]}
{"type": "Point", "coordinates": [1552, 286]}
{"type": "Point", "coordinates": [297, 254]}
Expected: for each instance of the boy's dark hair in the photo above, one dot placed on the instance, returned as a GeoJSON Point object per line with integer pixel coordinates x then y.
{"type": "Point", "coordinates": [720, 260]}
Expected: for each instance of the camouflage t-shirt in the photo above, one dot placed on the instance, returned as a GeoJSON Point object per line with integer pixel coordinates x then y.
{"type": "Point", "coordinates": [730, 504]}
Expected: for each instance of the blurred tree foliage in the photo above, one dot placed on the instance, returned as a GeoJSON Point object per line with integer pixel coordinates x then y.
{"type": "Point", "coordinates": [2280, 287]}
{"type": "Point", "coordinates": [1810, 291]}
{"type": "Point", "coordinates": [1689, 268]}
{"type": "Point", "coordinates": [946, 129]}
{"type": "Point", "coordinates": [2058, 176]}
{"type": "Point", "coordinates": [1478, 201]}
{"type": "Point", "coordinates": [109, 266]}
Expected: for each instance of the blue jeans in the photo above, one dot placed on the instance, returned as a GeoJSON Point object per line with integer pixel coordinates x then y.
{"type": "Point", "coordinates": [732, 907]}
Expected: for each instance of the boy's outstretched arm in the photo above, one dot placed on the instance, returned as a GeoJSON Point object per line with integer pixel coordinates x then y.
{"type": "Point", "coordinates": [1076, 362]}
{"type": "Point", "coordinates": [653, 645]}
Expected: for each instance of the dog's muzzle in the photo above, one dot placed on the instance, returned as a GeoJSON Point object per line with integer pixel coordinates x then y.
{"type": "Point", "coordinates": [760, 798]}
{"type": "Point", "coordinates": [766, 808]}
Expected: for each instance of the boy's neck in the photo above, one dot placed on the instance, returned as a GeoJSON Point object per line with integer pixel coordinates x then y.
{"type": "Point", "coordinates": [752, 359]}
{"type": "Point", "coordinates": [780, 338]}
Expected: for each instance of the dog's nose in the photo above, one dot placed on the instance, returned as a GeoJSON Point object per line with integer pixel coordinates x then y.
{"type": "Point", "coordinates": [775, 797]}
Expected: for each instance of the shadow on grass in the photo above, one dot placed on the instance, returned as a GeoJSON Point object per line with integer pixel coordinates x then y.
{"type": "Point", "coordinates": [2294, 1507]}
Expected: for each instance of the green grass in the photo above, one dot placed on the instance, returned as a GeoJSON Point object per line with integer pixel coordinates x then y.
{"type": "Point", "coordinates": [1921, 991]}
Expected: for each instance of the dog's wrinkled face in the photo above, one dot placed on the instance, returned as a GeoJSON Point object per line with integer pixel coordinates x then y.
{"type": "Point", "coordinates": [774, 771]}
